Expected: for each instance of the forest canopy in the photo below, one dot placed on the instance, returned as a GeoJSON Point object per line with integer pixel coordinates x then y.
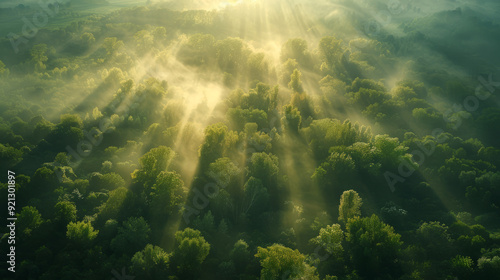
{"type": "Point", "coordinates": [256, 139]}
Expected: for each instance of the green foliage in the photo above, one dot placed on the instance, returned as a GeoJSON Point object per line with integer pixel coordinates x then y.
{"type": "Point", "coordinates": [106, 166]}
{"type": "Point", "coordinates": [9, 156]}
{"type": "Point", "coordinates": [337, 169]}
{"type": "Point", "coordinates": [218, 141]}
{"type": "Point", "coordinates": [292, 118]}
{"type": "Point", "coordinates": [82, 234]}
{"type": "Point", "coordinates": [231, 54]}
{"type": "Point", "coordinates": [4, 71]}
{"type": "Point", "coordinates": [279, 262]}
{"type": "Point", "coordinates": [167, 194]}
{"type": "Point", "coordinates": [39, 56]}
{"type": "Point", "coordinates": [256, 197]}
{"type": "Point", "coordinates": [150, 263]}
{"type": "Point", "coordinates": [330, 50]}
{"type": "Point", "coordinates": [45, 179]}
{"type": "Point", "coordinates": [108, 181]}
{"type": "Point", "coordinates": [145, 39]}
{"type": "Point", "coordinates": [296, 49]}
{"type": "Point", "coordinates": [427, 115]}
{"type": "Point", "coordinates": [484, 189]}
{"type": "Point", "coordinates": [70, 120]}
{"type": "Point", "coordinates": [262, 97]}
{"type": "Point", "coordinates": [114, 204]}
{"type": "Point", "coordinates": [240, 117]}
{"type": "Point", "coordinates": [205, 224]}
{"type": "Point", "coordinates": [87, 39]}
{"type": "Point", "coordinates": [372, 94]}
{"type": "Point", "coordinates": [374, 246]}
{"type": "Point", "coordinates": [330, 238]}
{"type": "Point", "coordinates": [112, 45]}
{"type": "Point", "coordinates": [489, 265]}
{"type": "Point", "coordinates": [226, 176]}
{"type": "Point", "coordinates": [391, 152]}
{"type": "Point", "coordinates": [350, 206]}
{"type": "Point", "coordinates": [462, 266]}
{"type": "Point", "coordinates": [198, 50]}
{"type": "Point", "coordinates": [132, 236]}
{"type": "Point", "coordinates": [42, 128]}
{"type": "Point", "coordinates": [190, 251]}
{"type": "Point", "coordinates": [65, 212]}
{"type": "Point", "coordinates": [240, 255]}
{"type": "Point", "coordinates": [258, 67]}
{"type": "Point", "coordinates": [303, 103]}
{"type": "Point", "coordinates": [435, 239]}
{"type": "Point", "coordinates": [29, 220]}
{"type": "Point", "coordinates": [67, 132]}
{"type": "Point", "coordinates": [152, 163]}
{"type": "Point", "coordinates": [295, 83]}
{"type": "Point", "coordinates": [264, 167]}
{"type": "Point", "coordinates": [287, 69]}
{"type": "Point", "coordinates": [326, 133]}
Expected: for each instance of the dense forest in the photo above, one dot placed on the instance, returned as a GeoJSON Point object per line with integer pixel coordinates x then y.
{"type": "Point", "coordinates": [250, 139]}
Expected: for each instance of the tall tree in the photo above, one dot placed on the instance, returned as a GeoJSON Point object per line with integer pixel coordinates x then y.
{"type": "Point", "coordinates": [4, 71]}
{"type": "Point", "coordinates": [39, 56]}
{"type": "Point", "coordinates": [190, 252]}
{"type": "Point", "coordinates": [29, 220]}
{"type": "Point", "coordinates": [132, 236]}
{"type": "Point", "coordinates": [296, 49]}
{"type": "Point", "coordinates": [152, 163]}
{"type": "Point", "coordinates": [295, 83]}
{"type": "Point", "coordinates": [264, 167]}
{"type": "Point", "coordinates": [65, 212]}
{"type": "Point", "coordinates": [81, 234]}
{"type": "Point", "coordinates": [167, 194]}
{"type": "Point", "coordinates": [150, 263]}
{"type": "Point", "coordinates": [330, 238]}
{"type": "Point", "coordinates": [350, 206]}
{"type": "Point", "coordinates": [374, 247]}
{"type": "Point", "coordinates": [280, 262]}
